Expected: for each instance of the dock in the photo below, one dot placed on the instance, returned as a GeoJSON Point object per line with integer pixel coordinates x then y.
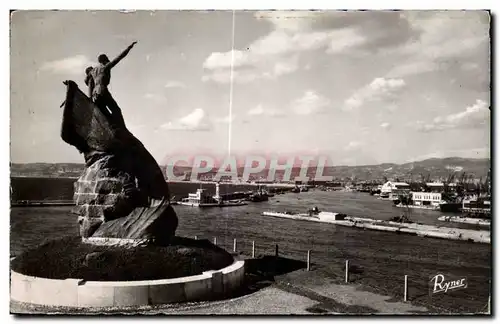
{"type": "Point", "coordinates": [477, 236]}
{"type": "Point", "coordinates": [465, 220]}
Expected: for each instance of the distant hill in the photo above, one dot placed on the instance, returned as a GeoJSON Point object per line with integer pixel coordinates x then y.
{"type": "Point", "coordinates": [435, 169]}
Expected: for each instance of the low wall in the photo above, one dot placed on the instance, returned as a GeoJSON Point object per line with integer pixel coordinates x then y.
{"type": "Point", "coordinates": [81, 293]}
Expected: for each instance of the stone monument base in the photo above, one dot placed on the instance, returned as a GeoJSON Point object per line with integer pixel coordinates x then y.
{"type": "Point", "coordinates": [77, 274]}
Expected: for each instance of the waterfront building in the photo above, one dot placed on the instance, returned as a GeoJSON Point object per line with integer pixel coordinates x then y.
{"type": "Point", "coordinates": [393, 190]}
{"type": "Point", "coordinates": [426, 198]}
{"type": "Point", "coordinates": [391, 186]}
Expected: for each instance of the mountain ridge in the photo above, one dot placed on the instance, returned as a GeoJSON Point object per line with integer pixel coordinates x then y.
{"type": "Point", "coordinates": [432, 168]}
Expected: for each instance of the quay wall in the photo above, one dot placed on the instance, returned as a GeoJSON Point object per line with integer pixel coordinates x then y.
{"type": "Point", "coordinates": [416, 229]}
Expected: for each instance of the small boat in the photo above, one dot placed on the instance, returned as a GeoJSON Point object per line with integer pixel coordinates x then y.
{"type": "Point", "coordinates": [259, 195]}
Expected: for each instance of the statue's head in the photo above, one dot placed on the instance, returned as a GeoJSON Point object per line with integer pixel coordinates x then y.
{"type": "Point", "coordinates": [103, 59]}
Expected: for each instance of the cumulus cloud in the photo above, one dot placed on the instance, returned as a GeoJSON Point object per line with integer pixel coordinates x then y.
{"type": "Point", "coordinates": [224, 60]}
{"type": "Point", "coordinates": [174, 84]}
{"type": "Point", "coordinates": [353, 145]}
{"type": "Point", "coordinates": [197, 120]}
{"type": "Point", "coordinates": [377, 28]}
{"type": "Point", "coordinates": [285, 66]}
{"type": "Point", "coordinates": [248, 68]}
{"type": "Point", "coordinates": [281, 42]}
{"type": "Point", "coordinates": [420, 41]}
{"type": "Point", "coordinates": [444, 37]}
{"type": "Point", "coordinates": [379, 90]}
{"type": "Point", "coordinates": [269, 112]}
{"type": "Point", "coordinates": [474, 116]}
{"type": "Point", "coordinates": [69, 65]}
{"type": "Point", "coordinates": [295, 32]}
{"type": "Point", "coordinates": [310, 103]}
{"type": "Point", "coordinates": [266, 70]}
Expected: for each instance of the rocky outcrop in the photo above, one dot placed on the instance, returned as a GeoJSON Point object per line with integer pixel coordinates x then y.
{"type": "Point", "coordinates": [122, 193]}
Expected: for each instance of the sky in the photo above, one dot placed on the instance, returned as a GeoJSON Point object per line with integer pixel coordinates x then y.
{"type": "Point", "coordinates": [359, 87]}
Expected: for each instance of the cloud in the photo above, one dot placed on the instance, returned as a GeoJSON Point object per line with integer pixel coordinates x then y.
{"type": "Point", "coordinates": [281, 42]}
{"type": "Point", "coordinates": [353, 145]}
{"type": "Point", "coordinates": [379, 90]}
{"type": "Point", "coordinates": [266, 70]}
{"type": "Point", "coordinates": [218, 60]}
{"type": "Point", "coordinates": [269, 112]}
{"type": "Point", "coordinates": [224, 120]}
{"type": "Point", "coordinates": [155, 97]}
{"type": "Point", "coordinates": [70, 65]}
{"type": "Point", "coordinates": [444, 37]}
{"type": "Point", "coordinates": [197, 120]}
{"type": "Point", "coordinates": [376, 28]}
{"type": "Point", "coordinates": [296, 32]}
{"type": "Point", "coordinates": [414, 67]}
{"type": "Point", "coordinates": [474, 116]}
{"type": "Point", "coordinates": [310, 103]}
{"type": "Point", "coordinates": [385, 125]}
{"type": "Point", "coordinates": [285, 66]}
{"type": "Point", "coordinates": [174, 84]}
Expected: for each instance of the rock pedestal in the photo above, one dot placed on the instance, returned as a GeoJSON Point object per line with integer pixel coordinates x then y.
{"type": "Point", "coordinates": [122, 193]}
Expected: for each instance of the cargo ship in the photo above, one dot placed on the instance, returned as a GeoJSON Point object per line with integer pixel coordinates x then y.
{"type": "Point", "coordinates": [450, 207]}
{"type": "Point", "coordinates": [477, 207]}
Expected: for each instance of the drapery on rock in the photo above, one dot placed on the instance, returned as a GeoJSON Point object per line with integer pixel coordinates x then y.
{"type": "Point", "coordinates": [122, 192]}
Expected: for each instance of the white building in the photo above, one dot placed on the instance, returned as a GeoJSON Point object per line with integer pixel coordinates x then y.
{"type": "Point", "coordinates": [390, 186]}
{"type": "Point", "coordinates": [426, 198]}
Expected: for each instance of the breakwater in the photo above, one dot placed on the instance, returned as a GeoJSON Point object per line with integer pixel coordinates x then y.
{"type": "Point", "coordinates": [465, 220]}
{"type": "Point", "coordinates": [478, 236]}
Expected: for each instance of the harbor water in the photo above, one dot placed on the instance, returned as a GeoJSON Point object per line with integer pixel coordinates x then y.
{"type": "Point", "coordinates": [387, 257]}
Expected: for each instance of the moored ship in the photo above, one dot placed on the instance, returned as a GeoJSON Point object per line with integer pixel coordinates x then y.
{"type": "Point", "coordinates": [450, 207]}
{"type": "Point", "coordinates": [477, 207]}
{"type": "Point", "coordinates": [201, 199]}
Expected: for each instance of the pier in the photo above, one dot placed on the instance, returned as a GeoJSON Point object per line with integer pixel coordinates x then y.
{"type": "Point", "coordinates": [465, 220]}
{"type": "Point", "coordinates": [395, 227]}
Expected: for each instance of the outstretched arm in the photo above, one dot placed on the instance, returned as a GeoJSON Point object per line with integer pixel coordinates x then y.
{"type": "Point", "coordinates": [120, 57]}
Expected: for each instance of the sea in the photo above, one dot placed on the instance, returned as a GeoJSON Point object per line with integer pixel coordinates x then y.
{"type": "Point", "coordinates": [385, 257]}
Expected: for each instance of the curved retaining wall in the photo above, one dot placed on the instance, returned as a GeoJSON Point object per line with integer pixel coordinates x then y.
{"type": "Point", "coordinates": [81, 293]}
